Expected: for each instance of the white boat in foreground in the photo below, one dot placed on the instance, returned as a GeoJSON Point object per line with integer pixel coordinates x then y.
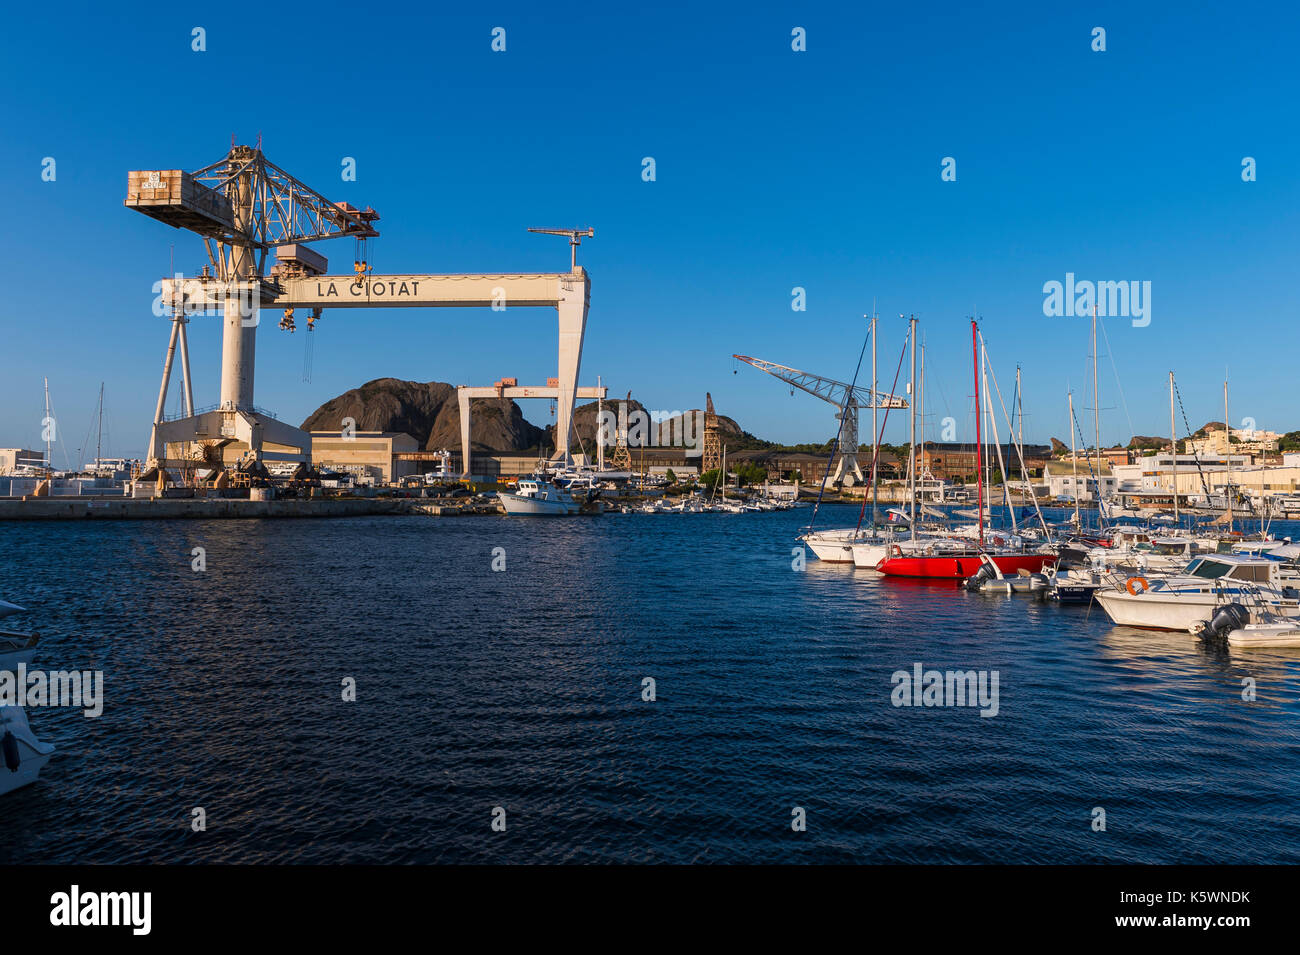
{"type": "Point", "coordinates": [538, 497]}
{"type": "Point", "coordinates": [1189, 599]}
{"type": "Point", "coordinates": [22, 755]}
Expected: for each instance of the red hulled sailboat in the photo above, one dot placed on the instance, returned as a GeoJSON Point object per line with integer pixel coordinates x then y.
{"type": "Point", "coordinates": [948, 559]}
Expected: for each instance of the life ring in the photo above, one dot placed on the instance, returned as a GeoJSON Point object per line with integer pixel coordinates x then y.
{"type": "Point", "coordinates": [1132, 582]}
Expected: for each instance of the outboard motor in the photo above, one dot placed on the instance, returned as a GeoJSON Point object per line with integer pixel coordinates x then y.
{"type": "Point", "coordinates": [976, 580]}
{"type": "Point", "coordinates": [1225, 620]}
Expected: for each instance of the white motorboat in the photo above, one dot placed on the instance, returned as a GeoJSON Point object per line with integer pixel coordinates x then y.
{"type": "Point", "coordinates": [22, 755]}
{"type": "Point", "coordinates": [538, 497]}
{"type": "Point", "coordinates": [1186, 600]}
{"type": "Point", "coordinates": [1265, 635]}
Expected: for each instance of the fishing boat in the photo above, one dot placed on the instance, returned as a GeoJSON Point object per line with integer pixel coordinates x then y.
{"type": "Point", "coordinates": [22, 755]}
{"type": "Point", "coordinates": [536, 496]}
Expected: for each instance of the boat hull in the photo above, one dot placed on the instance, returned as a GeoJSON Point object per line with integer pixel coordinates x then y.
{"type": "Point", "coordinates": [532, 507]}
{"type": "Point", "coordinates": [832, 547]}
{"type": "Point", "coordinates": [1153, 610]}
{"type": "Point", "coordinates": [961, 566]}
{"type": "Point", "coordinates": [33, 754]}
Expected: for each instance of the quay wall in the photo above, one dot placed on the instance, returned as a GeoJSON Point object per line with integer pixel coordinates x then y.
{"type": "Point", "coordinates": [63, 508]}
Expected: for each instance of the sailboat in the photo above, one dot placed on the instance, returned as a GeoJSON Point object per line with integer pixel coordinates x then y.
{"type": "Point", "coordinates": [956, 560]}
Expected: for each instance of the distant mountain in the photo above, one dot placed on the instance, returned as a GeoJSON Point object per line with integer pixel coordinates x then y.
{"type": "Point", "coordinates": [428, 412]}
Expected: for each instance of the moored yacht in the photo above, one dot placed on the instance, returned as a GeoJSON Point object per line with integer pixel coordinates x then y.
{"type": "Point", "coordinates": [22, 755]}
{"type": "Point", "coordinates": [537, 496]}
{"type": "Point", "coordinates": [1188, 599]}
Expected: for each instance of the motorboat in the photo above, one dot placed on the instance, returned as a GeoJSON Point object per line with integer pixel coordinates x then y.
{"type": "Point", "coordinates": [22, 755]}
{"type": "Point", "coordinates": [536, 496]}
{"type": "Point", "coordinates": [1185, 600]}
{"type": "Point", "coordinates": [990, 579]}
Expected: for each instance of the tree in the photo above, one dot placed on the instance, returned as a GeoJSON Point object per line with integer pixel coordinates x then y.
{"type": "Point", "coordinates": [672, 478]}
{"type": "Point", "coordinates": [709, 478]}
{"type": "Point", "coordinates": [751, 474]}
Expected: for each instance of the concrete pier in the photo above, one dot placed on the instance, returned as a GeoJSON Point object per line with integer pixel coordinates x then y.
{"type": "Point", "coordinates": [208, 508]}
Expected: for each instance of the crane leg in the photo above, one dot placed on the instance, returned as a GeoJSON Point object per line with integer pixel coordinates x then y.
{"type": "Point", "coordinates": [572, 308]}
{"type": "Point", "coordinates": [462, 397]}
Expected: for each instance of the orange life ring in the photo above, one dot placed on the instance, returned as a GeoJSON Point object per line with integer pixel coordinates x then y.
{"type": "Point", "coordinates": [1133, 581]}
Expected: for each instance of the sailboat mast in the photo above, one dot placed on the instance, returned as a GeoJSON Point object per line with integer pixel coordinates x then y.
{"type": "Point", "coordinates": [1227, 442]}
{"type": "Point", "coordinates": [979, 450]}
{"type": "Point", "coordinates": [1074, 459]}
{"type": "Point", "coordinates": [911, 403]}
{"type": "Point", "coordinates": [920, 400]}
{"type": "Point", "coordinates": [1173, 444]}
{"type": "Point", "coordinates": [49, 460]}
{"type": "Point", "coordinates": [875, 428]}
{"type": "Point", "coordinates": [1096, 410]}
{"type": "Point", "coordinates": [99, 435]}
{"type": "Point", "coordinates": [600, 415]}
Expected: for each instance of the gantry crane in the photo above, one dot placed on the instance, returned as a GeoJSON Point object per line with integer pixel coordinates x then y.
{"type": "Point", "coordinates": [247, 206]}
{"type": "Point", "coordinates": [846, 398]}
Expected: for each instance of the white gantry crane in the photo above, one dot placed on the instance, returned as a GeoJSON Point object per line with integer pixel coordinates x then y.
{"type": "Point", "coordinates": [244, 206]}
{"type": "Point", "coordinates": [846, 398]}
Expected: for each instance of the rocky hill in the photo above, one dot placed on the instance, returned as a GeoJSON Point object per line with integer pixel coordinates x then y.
{"type": "Point", "coordinates": [428, 412]}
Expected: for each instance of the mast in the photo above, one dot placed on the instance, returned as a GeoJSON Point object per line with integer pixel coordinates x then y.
{"type": "Point", "coordinates": [911, 404]}
{"type": "Point", "coordinates": [1096, 409]}
{"type": "Point", "coordinates": [875, 428]}
{"type": "Point", "coordinates": [920, 400]}
{"type": "Point", "coordinates": [997, 441]}
{"type": "Point", "coordinates": [1227, 441]}
{"type": "Point", "coordinates": [600, 411]}
{"type": "Point", "coordinates": [1074, 458]}
{"type": "Point", "coordinates": [1173, 438]}
{"type": "Point", "coordinates": [979, 451]}
{"type": "Point", "coordinates": [49, 459]}
{"type": "Point", "coordinates": [1020, 414]}
{"type": "Point", "coordinates": [99, 435]}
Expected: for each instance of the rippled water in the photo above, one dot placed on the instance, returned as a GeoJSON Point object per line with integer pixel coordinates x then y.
{"type": "Point", "coordinates": [522, 689]}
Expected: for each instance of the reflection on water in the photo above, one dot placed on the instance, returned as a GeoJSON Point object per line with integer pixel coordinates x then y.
{"type": "Point", "coordinates": [522, 689]}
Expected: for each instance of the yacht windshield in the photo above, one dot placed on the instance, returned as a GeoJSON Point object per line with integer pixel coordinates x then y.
{"type": "Point", "coordinates": [1209, 569]}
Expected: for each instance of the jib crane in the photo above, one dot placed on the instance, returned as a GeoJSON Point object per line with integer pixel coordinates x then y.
{"type": "Point", "coordinates": [846, 398]}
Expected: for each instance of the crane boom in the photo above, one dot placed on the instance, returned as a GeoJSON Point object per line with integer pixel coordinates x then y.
{"type": "Point", "coordinates": [838, 393]}
{"type": "Point", "coordinates": [845, 397]}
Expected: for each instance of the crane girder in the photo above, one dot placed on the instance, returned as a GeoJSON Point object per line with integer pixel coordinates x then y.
{"type": "Point", "coordinates": [285, 210]}
{"type": "Point", "coordinates": [838, 393]}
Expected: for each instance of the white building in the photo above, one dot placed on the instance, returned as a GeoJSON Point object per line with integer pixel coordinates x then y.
{"type": "Point", "coordinates": [1078, 480]}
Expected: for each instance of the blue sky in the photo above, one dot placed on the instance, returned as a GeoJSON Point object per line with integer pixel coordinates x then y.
{"type": "Point", "coordinates": [775, 169]}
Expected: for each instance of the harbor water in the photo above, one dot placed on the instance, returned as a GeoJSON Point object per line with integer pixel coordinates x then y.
{"type": "Point", "coordinates": [501, 662]}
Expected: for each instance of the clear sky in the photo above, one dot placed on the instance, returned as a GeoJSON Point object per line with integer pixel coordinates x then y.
{"type": "Point", "coordinates": [818, 169]}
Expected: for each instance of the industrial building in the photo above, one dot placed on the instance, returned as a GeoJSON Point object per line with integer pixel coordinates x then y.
{"type": "Point", "coordinates": [11, 459]}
